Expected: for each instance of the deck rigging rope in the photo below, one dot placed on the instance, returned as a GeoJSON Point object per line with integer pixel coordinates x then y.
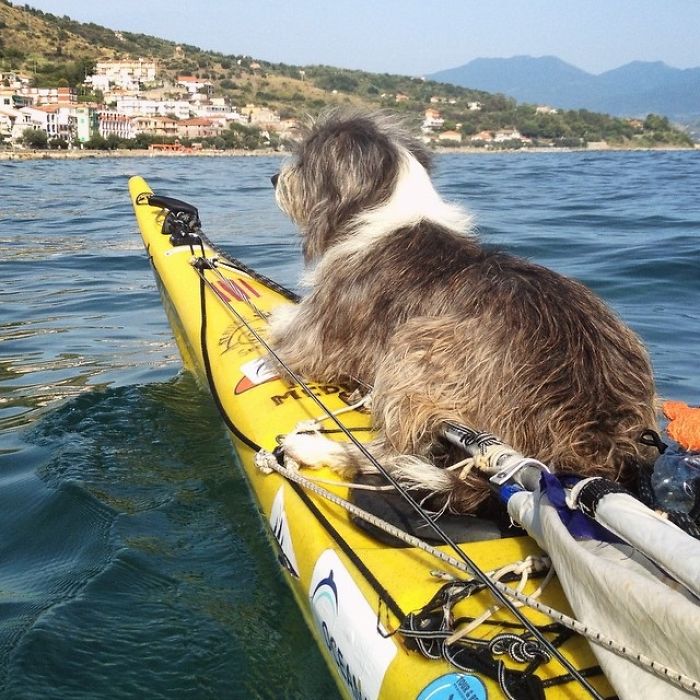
{"type": "Point", "coordinates": [464, 563]}
{"type": "Point", "coordinates": [200, 265]}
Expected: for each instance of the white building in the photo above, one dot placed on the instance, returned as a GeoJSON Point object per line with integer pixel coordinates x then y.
{"type": "Point", "coordinates": [126, 75]}
{"type": "Point", "coordinates": [264, 118]}
{"type": "Point", "coordinates": [137, 107]}
{"type": "Point", "coordinates": [8, 100]}
{"type": "Point", "coordinates": [507, 135]}
{"type": "Point", "coordinates": [57, 121]}
{"type": "Point", "coordinates": [22, 121]}
{"type": "Point", "coordinates": [14, 80]}
{"type": "Point", "coordinates": [194, 85]}
{"type": "Point", "coordinates": [217, 108]}
{"type": "Point", "coordinates": [433, 120]}
{"type": "Point", "coordinates": [48, 96]}
{"type": "Point", "coordinates": [112, 123]}
{"type": "Point", "coordinates": [8, 118]}
{"type": "Point", "coordinates": [482, 136]}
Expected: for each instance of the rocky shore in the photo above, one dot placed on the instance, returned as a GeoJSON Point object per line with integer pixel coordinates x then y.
{"type": "Point", "coordinates": [145, 153]}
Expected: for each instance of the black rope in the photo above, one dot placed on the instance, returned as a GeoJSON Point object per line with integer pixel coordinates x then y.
{"type": "Point", "coordinates": [428, 629]}
{"type": "Point", "coordinates": [210, 378]}
{"type": "Point", "coordinates": [350, 553]}
{"type": "Point", "coordinates": [590, 672]}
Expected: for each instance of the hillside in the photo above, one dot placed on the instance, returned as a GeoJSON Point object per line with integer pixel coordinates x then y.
{"type": "Point", "coordinates": [632, 90]}
{"type": "Point", "coordinates": [56, 51]}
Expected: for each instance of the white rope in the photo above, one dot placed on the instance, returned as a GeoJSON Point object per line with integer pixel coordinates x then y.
{"type": "Point", "coordinates": [267, 463]}
{"type": "Point", "coordinates": [313, 425]}
{"type": "Point", "coordinates": [529, 565]}
{"type": "Point", "coordinates": [489, 461]}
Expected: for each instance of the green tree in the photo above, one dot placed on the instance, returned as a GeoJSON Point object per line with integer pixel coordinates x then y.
{"type": "Point", "coordinates": [338, 81]}
{"type": "Point", "coordinates": [97, 143]}
{"type": "Point", "coordinates": [654, 122]}
{"type": "Point", "coordinates": [113, 142]}
{"type": "Point", "coordinates": [34, 138]}
{"type": "Point", "coordinates": [58, 144]}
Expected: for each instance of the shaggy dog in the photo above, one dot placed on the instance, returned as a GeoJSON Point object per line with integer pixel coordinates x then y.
{"type": "Point", "coordinates": [403, 298]}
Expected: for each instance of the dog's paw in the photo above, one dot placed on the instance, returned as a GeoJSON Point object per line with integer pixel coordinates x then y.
{"type": "Point", "coordinates": [313, 450]}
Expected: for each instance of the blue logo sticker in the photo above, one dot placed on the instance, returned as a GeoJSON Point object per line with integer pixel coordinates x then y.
{"type": "Point", "coordinates": [327, 591]}
{"type": "Point", "coordinates": [454, 686]}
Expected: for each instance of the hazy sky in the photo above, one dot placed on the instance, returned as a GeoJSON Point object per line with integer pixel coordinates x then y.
{"type": "Point", "coordinates": [413, 37]}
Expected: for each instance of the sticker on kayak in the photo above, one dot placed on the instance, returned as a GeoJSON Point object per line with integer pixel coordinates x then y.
{"type": "Point", "coordinates": [296, 393]}
{"type": "Point", "coordinates": [234, 290]}
{"type": "Point", "coordinates": [255, 372]}
{"type": "Point", "coordinates": [348, 627]}
{"type": "Point", "coordinates": [280, 530]}
{"type": "Point", "coordinates": [239, 340]}
{"type": "Point", "coordinates": [454, 686]}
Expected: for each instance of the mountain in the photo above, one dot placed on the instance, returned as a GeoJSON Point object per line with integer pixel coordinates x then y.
{"type": "Point", "coordinates": [520, 77]}
{"type": "Point", "coordinates": [636, 89]}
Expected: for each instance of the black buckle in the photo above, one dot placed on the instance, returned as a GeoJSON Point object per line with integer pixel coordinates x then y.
{"type": "Point", "coordinates": [182, 221]}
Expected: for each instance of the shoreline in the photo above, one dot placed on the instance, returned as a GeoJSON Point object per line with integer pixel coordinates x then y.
{"type": "Point", "coordinates": [130, 153]}
{"type": "Point", "coordinates": [239, 153]}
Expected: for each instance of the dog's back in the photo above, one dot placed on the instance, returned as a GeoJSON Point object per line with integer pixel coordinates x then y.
{"type": "Point", "coordinates": [513, 348]}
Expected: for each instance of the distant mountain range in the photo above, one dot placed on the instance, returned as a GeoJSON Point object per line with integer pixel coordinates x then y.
{"type": "Point", "coordinates": [635, 89]}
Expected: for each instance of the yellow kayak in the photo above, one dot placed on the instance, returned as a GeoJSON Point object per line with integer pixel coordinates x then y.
{"type": "Point", "coordinates": [385, 617]}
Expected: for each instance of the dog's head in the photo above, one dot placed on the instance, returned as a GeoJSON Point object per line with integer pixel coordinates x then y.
{"type": "Point", "coordinates": [346, 164]}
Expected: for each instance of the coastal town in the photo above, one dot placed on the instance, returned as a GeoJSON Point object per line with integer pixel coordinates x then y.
{"type": "Point", "coordinates": [132, 103]}
{"type": "Point", "coordinates": [136, 103]}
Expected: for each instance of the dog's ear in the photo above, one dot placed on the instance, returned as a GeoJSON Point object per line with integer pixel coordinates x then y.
{"type": "Point", "coordinates": [350, 166]}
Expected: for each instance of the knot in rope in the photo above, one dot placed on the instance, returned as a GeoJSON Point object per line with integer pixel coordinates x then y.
{"type": "Point", "coordinates": [266, 462]}
{"type": "Point", "coordinates": [489, 460]}
{"type": "Point", "coordinates": [518, 648]}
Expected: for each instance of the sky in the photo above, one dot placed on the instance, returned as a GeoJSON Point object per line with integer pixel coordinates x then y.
{"type": "Point", "coordinates": [412, 37]}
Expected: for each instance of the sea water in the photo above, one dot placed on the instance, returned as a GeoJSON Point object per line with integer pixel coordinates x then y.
{"type": "Point", "coordinates": [132, 560]}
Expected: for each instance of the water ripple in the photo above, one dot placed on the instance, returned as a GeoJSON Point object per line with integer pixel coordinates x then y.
{"type": "Point", "coordinates": [132, 558]}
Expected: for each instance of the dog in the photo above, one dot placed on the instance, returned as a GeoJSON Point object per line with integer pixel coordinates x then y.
{"type": "Point", "coordinates": [404, 299]}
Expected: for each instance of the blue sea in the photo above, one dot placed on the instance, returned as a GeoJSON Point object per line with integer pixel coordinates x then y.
{"type": "Point", "coordinates": [132, 560]}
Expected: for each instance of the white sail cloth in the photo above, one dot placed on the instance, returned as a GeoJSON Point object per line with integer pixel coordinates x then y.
{"type": "Point", "coordinates": [616, 590]}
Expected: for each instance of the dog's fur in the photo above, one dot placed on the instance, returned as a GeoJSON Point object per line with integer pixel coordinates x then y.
{"type": "Point", "coordinates": [405, 299]}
